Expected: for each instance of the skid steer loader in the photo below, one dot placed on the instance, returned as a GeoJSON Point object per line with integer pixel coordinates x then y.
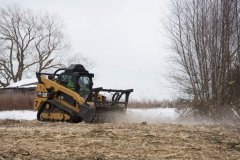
{"type": "Point", "coordinates": [69, 96]}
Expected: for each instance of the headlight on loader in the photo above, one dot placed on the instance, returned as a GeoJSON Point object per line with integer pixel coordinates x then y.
{"type": "Point", "coordinates": [42, 94]}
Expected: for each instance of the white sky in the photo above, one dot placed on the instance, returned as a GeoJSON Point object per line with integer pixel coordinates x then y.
{"type": "Point", "coordinates": [122, 36]}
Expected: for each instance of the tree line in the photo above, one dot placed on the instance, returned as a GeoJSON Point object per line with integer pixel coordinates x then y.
{"type": "Point", "coordinates": [33, 41]}
{"type": "Point", "coordinates": [205, 44]}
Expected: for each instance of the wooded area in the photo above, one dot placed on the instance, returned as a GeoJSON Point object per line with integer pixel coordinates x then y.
{"type": "Point", "coordinates": [30, 41]}
{"type": "Point", "coordinates": [205, 40]}
{"type": "Point", "coordinates": [33, 41]}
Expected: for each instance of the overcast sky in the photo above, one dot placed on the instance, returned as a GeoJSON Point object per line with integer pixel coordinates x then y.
{"type": "Point", "coordinates": [123, 37]}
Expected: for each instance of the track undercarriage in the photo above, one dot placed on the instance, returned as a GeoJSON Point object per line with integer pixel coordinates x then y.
{"type": "Point", "coordinates": [54, 111]}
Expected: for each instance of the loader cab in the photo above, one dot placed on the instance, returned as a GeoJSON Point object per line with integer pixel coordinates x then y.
{"type": "Point", "coordinates": [77, 79]}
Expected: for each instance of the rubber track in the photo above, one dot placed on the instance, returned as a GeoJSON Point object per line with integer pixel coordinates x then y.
{"type": "Point", "coordinates": [75, 117]}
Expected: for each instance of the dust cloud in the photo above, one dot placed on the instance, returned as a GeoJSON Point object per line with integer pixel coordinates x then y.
{"type": "Point", "coordinates": [156, 116]}
{"type": "Point", "coordinates": [145, 116]}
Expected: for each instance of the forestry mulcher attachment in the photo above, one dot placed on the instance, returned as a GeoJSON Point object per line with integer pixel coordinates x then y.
{"type": "Point", "coordinates": [69, 96]}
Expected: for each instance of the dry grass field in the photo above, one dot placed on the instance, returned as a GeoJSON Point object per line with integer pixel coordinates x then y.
{"type": "Point", "coordinates": [60, 140]}
{"type": "Point", "coordinates": [22, 139]}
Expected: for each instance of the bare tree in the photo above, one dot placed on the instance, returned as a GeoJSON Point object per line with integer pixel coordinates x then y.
{"type": "Point", "coordinates": [29, 42]}
{"type": "Point", "coordinates": [206, 46]}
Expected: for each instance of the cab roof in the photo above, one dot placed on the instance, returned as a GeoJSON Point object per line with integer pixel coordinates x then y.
{"type": "Point", "coordinates": [76, 68]}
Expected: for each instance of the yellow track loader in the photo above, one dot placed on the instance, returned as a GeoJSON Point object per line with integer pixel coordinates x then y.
{"type": "Point", "coordinates": [69, 96]}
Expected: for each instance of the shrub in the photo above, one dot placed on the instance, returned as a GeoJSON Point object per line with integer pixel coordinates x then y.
{"type": "Point", "coordinates": [25, 102]}
{"type": "Point", "coordinates": [16, 101]}
{"type": "Point", "coordinates": [151, 104]}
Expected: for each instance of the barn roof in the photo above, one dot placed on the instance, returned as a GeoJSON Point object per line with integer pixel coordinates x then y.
{"type": "Point", "coordinates": [25, 83]}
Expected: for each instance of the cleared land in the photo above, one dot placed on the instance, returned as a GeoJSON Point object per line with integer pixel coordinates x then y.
{"type": "Point", "coordinates": [59, 140]}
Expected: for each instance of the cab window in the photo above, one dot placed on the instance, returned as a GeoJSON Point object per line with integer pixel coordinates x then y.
{"type": "Point", "coordinates": [84, 84]}
{"type": "Point", "coordinates": [66, 81]}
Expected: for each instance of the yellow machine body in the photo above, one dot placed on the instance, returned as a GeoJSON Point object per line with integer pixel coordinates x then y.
{"type": "Point", "coordinates": [56, 102]}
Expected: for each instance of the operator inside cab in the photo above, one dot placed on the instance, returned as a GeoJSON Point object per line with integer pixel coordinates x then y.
{"type": "Point", "coordinates": [84, 85]}
{"type": "Point", "coordinates": [70, 84]}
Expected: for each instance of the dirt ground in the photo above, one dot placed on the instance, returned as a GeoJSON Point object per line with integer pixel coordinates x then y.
{"type": "Point", "coordinates": [20, 139]}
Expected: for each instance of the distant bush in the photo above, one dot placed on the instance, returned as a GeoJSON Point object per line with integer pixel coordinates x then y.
{"type": "Point", "coordinates": [151, 104]}
{"type": "Point", "coordinates": [25, 102]}
{"type": "Point", "coordinates": [16, 102]}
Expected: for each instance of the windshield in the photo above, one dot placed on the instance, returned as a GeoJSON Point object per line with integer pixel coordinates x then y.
{"type": "Point", "coordinates": [84, 83]}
